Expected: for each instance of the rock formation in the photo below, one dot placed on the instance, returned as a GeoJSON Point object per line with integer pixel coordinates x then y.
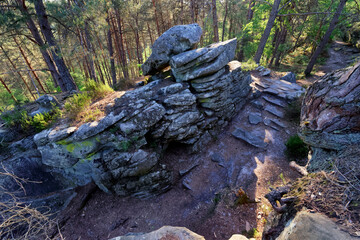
{"type": "Point", "coordinates": [121, 152]}
{"type": "Point", "coordinates": [330, 115]}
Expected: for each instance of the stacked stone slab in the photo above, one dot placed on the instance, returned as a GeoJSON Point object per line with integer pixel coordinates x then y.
{"type": "Point", "coordinates": [121, 152]}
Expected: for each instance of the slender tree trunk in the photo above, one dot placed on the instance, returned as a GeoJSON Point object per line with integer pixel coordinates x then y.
{"type": "Point", "coordinates": [15, 69]}
{"type": "Point", "coordinates": [182, 12]}
{"type": "Point", "coordinates": [150, 35]}
{"type": "Point", "coordinates": [7, 89]}
{"type": "Point", "coordinates": [326, 37]}
{"type": "Point", "coordinates": [89, 52]}
{"type": "Point", "coordinates": [111, 54]}
{"type": "Point", "coordinates": [224, 22]}
{"type": "Point", "coordinates": [55, 50]}
{"type": "Point", "coordinates": [156, 18]}
{"type": "Point", "coordinates": [29, 64]}
{"type": "Point", "coordinates": [192, 10]}
{"type": "Point", "coordinates": [267, 31]}
{"type": "Point", "coordinates": [250, 13]}
{"type": "Point", "coordinates": [215, 21]}
{"type": "Point", "coordinates": [121, 45]}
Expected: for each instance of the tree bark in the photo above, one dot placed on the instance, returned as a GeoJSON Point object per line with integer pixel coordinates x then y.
{"type": "Point", "coordinates": [215, 21]}
{"type": "Point", "coordinates": [121, 45]}
{"type": "Point", "coordinates": [89, 52]}
{"type": "Point", "coordinates": [224, 22]}
{"type": "Point", "coordinates": [111, 54]}
{"type": "Point", "coordinates": [14, 66]}
{"type": "Point", "coordinates": [7, 89]}
{"type": "Point", "coordinates": [156, 18]}
{"type": "Point", "coordinates": [55, 50]}
{"type": "Point", "coordinates": [326, 37]}
{"type": "Point", "coordinates": [267, 31]}
{"type": "Point", "coordinates": [250, 11]}
{"type": "Point", "coordinates": [29, 64]}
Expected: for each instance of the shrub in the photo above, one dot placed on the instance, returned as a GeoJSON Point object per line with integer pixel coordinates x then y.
{"type": "Point", "coordinates": [76, 104]}
{"type": "Point", "coordinates": [97, 90]}
{"type": "Point", "coordinates": [296, 149]}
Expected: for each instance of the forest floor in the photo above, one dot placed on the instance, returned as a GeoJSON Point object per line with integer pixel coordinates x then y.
{"type": "Point", "coordinates": [203, 199]}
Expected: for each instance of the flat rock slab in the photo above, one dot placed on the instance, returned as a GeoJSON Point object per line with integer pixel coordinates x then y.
{"type": "Point", "coordinates": [274, 110]}
{"type": "Point", "coordinates": [166, 232]}
{"type": "Point", "coordinates": [249, 137]}
{"type": "Point", "coordinates": [275, 101]}
{"type": "Point", "coordinates": [289, 77]}
{"type": "Point", "coordinates": [255, 118]}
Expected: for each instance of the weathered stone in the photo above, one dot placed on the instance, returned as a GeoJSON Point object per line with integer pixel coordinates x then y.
{"type": "Point", "coordinates": [313, 226]}
{"type": "Point", "coordinates": [46, 103]}
{"type": "Point", "coordinates": [218, 55]}
{"type": "Point", "coordinates": [184, 98]}
{"type": "Point", "coordinates": [275, 111]}
{"type": "Point", "coordinates": [174, 41]}
{"type": "Point", "coordinates": [56, 135]}
{"type": "Point", "coordinates": [289, 77]}
{"type": "Point", "coordinates": [251, 138]}
{"type": "Point", "coordinates": [42, 137]}
{"type": "Point", "coordinates": [140, 164]}
{"type": "Point", "coordinates": [166, 232]}
{"type": "Point", "coordinates": [265, 72]}
{"type": "Point", "coordinates": [330, 115]}
{"type": "Point", "coordinates": [238, 237]}
{"type": "Point", "coordinates": [255, 118]}
{"type": "Point", "coordinates": [275, 101]}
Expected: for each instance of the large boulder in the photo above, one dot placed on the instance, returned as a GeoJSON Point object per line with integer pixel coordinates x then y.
{"type": "Point", "coordinates": [312, 226]}
{"type": "Point", "coordinates": [176, 40]}
{"type": "Point", "coordinates": [166, 232]}
{"type": "Point", "coordinates": [46, 103]}
{"type": "Point", "coordinates": [330, 114]}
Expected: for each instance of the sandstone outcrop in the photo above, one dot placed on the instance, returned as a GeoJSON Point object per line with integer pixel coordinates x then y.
{"type": "Point", "coordinates": [330, 116]}
{"type": "Point", "coordinates": [121, 152]}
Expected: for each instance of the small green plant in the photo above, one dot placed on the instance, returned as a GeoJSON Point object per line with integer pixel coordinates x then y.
{"type": "Point", "coordinates": [40, 121]}
{"type": "Point", "coordinates": [296, 149]}
{"type": "Point", "coordinates": [91, 115]}
{"type": "Point", "coordinates": [12, 118]}
{"type": "Point", "coordinates": [76, 104]}
{"type": "Point", "coordinates": [97, 90]}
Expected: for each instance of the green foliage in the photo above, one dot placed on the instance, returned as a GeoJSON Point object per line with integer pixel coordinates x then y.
{"type": "Point", "coordinates": [22, 121]}
{"type": "Point", "coordinates": [97, 90]}
{"type": "Point", "coordinates": [296, 149]}
{"type": "Point", "coordinates": [92, 115]}
{"type": "Point", "coordinates": [76, 104]}
{"type": "Point", "coordinates": [12, 118]}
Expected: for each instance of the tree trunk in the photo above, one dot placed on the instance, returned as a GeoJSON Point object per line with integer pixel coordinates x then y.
{"type": "Point", "coordinates": [7, 89]}
{"type": "Point", "coordinates": [182, 12]}
{"type": "Point", "coordinates": [111, 54]}
{"type": "Point", "coordinates": [35, 33]}
{"type": "Point", "coordinates": [89, 52]}
{"type": "Point", "coordinates": [15, 69]}
{"type": "Point", "coordinates": [121, 46]}
{"type": "Point", "coordinates": [250, 11]}
{"type": "Point", "coordinates": [150, 35]}
{"type": "Point", "coordinates": [215, 21]}
{"type": "Point", "coordinates": [29, 64]}
{"type": "Point", "coordinates": [224, 22]}
{"type": "Point", "coordinates": [156, 18]}
{"type": "Point", "coordinates": [326, 37]}
{"type": "Point", "coordinates": [267, 31]}
{"type": "Point", "coordinates": [55, 50]}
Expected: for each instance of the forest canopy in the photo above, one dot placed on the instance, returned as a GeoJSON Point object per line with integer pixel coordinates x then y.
{"type": "Point", "coordinates": [59, 45]}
